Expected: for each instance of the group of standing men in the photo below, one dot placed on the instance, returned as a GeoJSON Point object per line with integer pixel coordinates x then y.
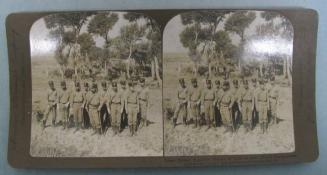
{"type": "Point", "coordinates": [227, 106]}
{"type": "Point", "coordinates": [99, 109]}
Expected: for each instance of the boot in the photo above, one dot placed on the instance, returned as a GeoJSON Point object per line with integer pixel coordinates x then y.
{"type": "Point", "coordinates": [131, 130]}
{"type": "Point", "coordinates": [44, 122]}
{"type": "Point", "coordinates": [53, 123]}
{"type": "Point", "coordinates": [135, 129]}
{"type": "Point", "coordinates": [174, 122]}
{"type": "Point", "coordinates": [184, 121]}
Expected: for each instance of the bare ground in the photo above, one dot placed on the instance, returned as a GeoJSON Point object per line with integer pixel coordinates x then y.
{"type": "Point", "coordinates": [187, 141]}
{"type": "Point", "coordinates": [56, 142]}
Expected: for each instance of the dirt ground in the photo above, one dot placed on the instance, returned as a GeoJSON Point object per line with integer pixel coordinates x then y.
{"type": "Point", "coordinates": [186, 140]}
{"type": "Point", "coordinates": [56, 142]}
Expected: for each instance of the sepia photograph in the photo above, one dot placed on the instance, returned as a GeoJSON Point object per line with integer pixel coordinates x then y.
{"type": "Point", "coordinates": [96, 85]}
{"type": "Point", "coordinates": [227, 83]}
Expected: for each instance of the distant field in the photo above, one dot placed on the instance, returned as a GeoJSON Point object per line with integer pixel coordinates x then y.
{"type": "Point", "coordinates": [56, 142]}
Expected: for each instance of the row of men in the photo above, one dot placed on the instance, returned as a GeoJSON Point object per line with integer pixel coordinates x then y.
{"type": "Point", "coordinates": [233, 105]}
{"type": "Point", "coordinates": [102, 108]}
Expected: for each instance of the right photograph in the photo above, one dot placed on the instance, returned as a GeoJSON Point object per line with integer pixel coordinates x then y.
{"type": "Point", "coordinates": [227, 83]}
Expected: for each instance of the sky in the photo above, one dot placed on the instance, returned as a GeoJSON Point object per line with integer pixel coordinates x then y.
{"type": "Point", "coordinates": [41, 44]}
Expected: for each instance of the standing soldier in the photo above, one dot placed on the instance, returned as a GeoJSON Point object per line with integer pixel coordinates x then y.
{"type": "Point", "coordinates": [181, 104]}
{"type": "Point", "coordinates": [94, 107]}
{"type": "Point", "coordinates": [255, 111]}
{"type": "Point", "coordinates": [116, 105]}
{"type": "Point", "coordinates": [63, 101]}
{"type": "Point", "coordinates": [225, 105]}
{"type": "Point", "coordinates": [52, 97]}
{"type": "Point", "coordinates": [236, 110]}
{"type": "Point", "coordinates": [207, 104]}
{"type": "Point", "coordinates": [77, 99]}
{"type": "Point", "coordinates": [273, 100]}
{"type": "Point", "coordinates": [262, 106]}
{"type": "Point", "coordinates": [144, 102]}
{"type": "Point", "coordinates": [247, 106]}
{"type": "Point", "coordinates": [86, 94]}
{"type": "Point", "coordinates": [104, 113]}
{"type": "Point", "coordinates": [194, 102]}
{"type": "Point", "coordinates": [123, 91]}
{"type": "Point", "coordinates": [132, 107]}
{"type": "Point", "coordinates": [218, 94]}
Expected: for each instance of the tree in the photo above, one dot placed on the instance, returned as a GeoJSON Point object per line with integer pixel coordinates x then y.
{"type": "Point", "coordinates": [152, 42]}
{"type": "Point", "coordinates": [237, 23]}
{"type": "Point", "coordinates": [130, 35]}
{"type": "Point", "coordinates": [101, 24]}
{"type": "Point", "coordinates": [65, 28]}
{"type": "Point", "coordinates": [199, 32]}
{"type": "Point", "coordinates": [282, 28]}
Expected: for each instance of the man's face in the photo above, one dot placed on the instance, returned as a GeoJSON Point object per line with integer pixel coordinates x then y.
{"type": "Point", "coordinates": [132, 88]}
{"type": "Point", "coordinates": [195, 84]}
{"type": "Point", "coordinates": [115, 88]}
{"type": "Point", "coordinates": [246, 86]}
{"type": "Point", "coordinates": [94, 90]}
{"type": "Point", "coordinates": [51, 86]}
{"type": "Point", "coordinates": [262, 86]}
{"type": "Point", "coordinates": [182, 84]}
{"type": "Point", "coordinates": [123, 86]}
{"type": "Point", "coordinates": [254, 84]}
{"type": "Point", "coordinates": [236, 85]}
{"type": "Point", "coordinates": [86, 88]}
{"type": "Point", "coordinates": [225, 87]}
{"type": "Point", "coordinates": [209, 85]}
{"type": "Point", "coordinates": [142, 84]}
{"type": "Point", "coordinates": [218, 86]}
{"type": "Point", "coordinates": [78, 88]}
{"type": "Point", "coordinates": [104, 88]}
{"type": "Point", "coordinates": [63, 86]}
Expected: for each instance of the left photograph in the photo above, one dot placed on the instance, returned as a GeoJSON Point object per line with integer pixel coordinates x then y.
{"type": "Point", "coordinates": [96, 85]}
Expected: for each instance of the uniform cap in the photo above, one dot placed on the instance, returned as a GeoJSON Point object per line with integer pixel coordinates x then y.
{"type": "Point", "coordinates": [130, 83]}
{"type": "Point", "coordinates": [94, 85]}
{"type": "Point", "coordinates": [142, 80]}
{"type": "Point", "coordinates": [226, 83]}
{"type": "Point", "coordinates": [104, 84]}
{"type": "Point", "coordinates": [51, 82]}
{"type": "Point", "coordinates": [63, 83]}
{"type": "Point", "coordinates": [122, 82]}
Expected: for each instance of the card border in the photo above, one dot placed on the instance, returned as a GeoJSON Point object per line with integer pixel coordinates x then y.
{"type": "Point", "coordinates": [305, 25]}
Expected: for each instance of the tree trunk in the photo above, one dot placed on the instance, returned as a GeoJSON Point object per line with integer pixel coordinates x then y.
{"type": "Point", "coordinates": [157, 69]}
{"type": "Point", "coordinates": [153, 76]}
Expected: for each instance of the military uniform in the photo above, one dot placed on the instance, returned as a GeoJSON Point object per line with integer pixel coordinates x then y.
{"type": "Point", "coordinates": [132, 106]}
{"type": "Point", "coordinates": [115, 103]}
{"type": "Point", "coordinates": [63, 101]}
{"type": "Point", "coordinates": [181, 106]}
{"type": "Point", "coordinates": [52, 98]}
{"type": "Point", "coordinates": [247, 104]}
{"type": "Point", "coordinates": [144, 101]}
{"type": "Point", "coordinates": [273, 101]}
{"type": "Point", "coordinates": [208, 102]}
{"type": "Point", "coordinates": [194, 104]}
{"type": "Point", "coordinates": [86, 95]}
{"type": "Point", "coordinates": [225, 104]}
{"type": "Point", "coordinates": [77, 100]}
{"type": "Point", "coordinates": [262, 107]}
{"type": "Point", "coordinates": [94, 112]}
